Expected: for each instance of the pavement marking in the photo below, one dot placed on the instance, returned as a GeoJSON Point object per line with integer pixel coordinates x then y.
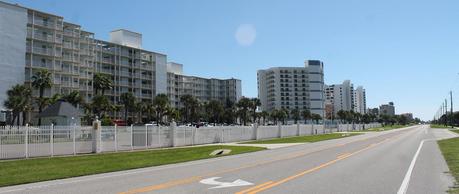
{"type": "Point", "coordinates": [323, 165]}
{"type": "Point", "coordinates": [213, 181]}
{"type": "Point", "coordinates": [404, 187]}
{"type": "Point", "coordinates": [253, 188]}
{"type": "Point", "coordinates": [190, 180]}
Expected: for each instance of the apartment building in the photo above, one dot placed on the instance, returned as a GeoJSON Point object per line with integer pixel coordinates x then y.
{"type": "Point", "coordinates": [36, 40]}
{"type": "Point", "coordinates": [340, 96]}
{"type": "Point", "coordinates": [345, 97]}
{"type": "Point", "coordinates": [204, 89]}
{"type": "Point", "coordinates": [360, 100]}
{"type": "Point", "coordinates": [387, 109]}
{"type": "Point", "coordinates": [291, 88]}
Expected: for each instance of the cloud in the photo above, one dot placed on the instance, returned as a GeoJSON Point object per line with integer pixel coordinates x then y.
{"type": "Point", "coordinates": [245, 34]}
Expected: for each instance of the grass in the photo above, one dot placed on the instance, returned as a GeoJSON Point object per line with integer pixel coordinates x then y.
{"type": "Point", "coordinates": [387, 127]}
{"type": "Point", "coordinates": [41, 169]}
{"type": "Point", "coordinates": [303, 139]}
{"type": "Point", "coordinates": [439, 126]}
{"type": "Point", "coordinates": [450, 150]}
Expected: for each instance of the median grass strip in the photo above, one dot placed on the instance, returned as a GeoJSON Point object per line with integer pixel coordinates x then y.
{"type": "Point", "coordinates": [387, 127]}
{"type": "Point", "coordinates": [450, 150]}
{"type": "Point", "coordinates": [41, 169]}
{"type": "Point", "coordinates": [303, 139]}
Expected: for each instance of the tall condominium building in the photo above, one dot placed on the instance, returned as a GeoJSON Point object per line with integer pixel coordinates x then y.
{"type": "Point", "coordinates": [360, 100]}
{"type": "Point", "coordinates": [292, 87]}
{"type": "Point", "coordinates": [204, 89]}
{"type": "Point", "coordinates": [340, 97]}
{"type": "Point", "coordinates": [32, 40]}
{"type": "Point", "coordinates": [387, 109]}
{"type": "Point", "coordinates": [36, 40]}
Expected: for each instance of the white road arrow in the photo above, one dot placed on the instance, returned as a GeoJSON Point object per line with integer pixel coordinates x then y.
{"type": "Point", "coordinates": [212, 181]}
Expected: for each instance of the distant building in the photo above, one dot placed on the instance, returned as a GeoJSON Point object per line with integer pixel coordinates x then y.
{"type": "Point", "coordinates": [360, 100]}
{"type": "Point", "coordinates": [204, 89]}
{"type": "Point", "coordinates": [340, 96]}
{"type": "Point", "coordinates": [291, 88]}
{"type": "Point", "coordinates": [387, 109]}
{"type": "Point", "coordinates": [409, 116]}
{"type": "Point", "coordinates": [373, 111]}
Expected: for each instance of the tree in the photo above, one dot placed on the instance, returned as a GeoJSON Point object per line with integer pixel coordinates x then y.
{"type": "Point", "coordinates": [264, 115]}
{"type": "Point", "coordinates": [128, 101]}
{"type": "Point", "coordinates": [295, 115]}
{"type": "Point", "coordinates": [215, 111]}
{"type": "Point", "coordinates": [172, 114]}
{"type": "Point", "coordinates": [74, 98]}
{"type": "Point", "coordinates": [342, 115]}
{"type": "Point", "coordinates": [243, 105]}
{"type": "Point", "coordinates": [282, 114]}
{"type": "Point", "coordinates": [160, 104]}
{"type": "Point", "coordinates": [316, 118]}
{"type": "Point", "coordinates": [255, 104]}
{"type": "Point", "coordinates": [18, 100]}
{"type": "Point", "coordinates": [102, 82]}
{"type": "Point", "coordinates": [41, 81]}
{"type": "Point", "coordinates": [306, 115]}
{"type": "Point", "coordinates": [190, 106]}
{"type": "Point", "coordinates": [100, 105]}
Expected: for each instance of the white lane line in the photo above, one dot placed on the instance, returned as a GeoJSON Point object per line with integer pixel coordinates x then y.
{"type": "Point", "coordinates": [403, 188]}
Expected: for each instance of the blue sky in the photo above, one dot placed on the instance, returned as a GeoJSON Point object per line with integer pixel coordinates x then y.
{"type": "Point", "coordinates": [401, 51]}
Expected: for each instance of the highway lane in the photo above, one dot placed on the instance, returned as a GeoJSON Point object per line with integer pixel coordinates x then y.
{"type": "Point", "coordinates": [370, 163]}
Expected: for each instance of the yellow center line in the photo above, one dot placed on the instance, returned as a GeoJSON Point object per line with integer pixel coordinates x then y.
{"type": "Point", "coordinates": [197, 178]}
{"type": "Point", "coordinates": [253, 188]}
{"type": "Point", "coordinates": [340, 157]}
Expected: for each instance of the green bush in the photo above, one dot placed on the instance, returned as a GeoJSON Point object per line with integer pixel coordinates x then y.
{"type": "Point", "coordinates": [107, 122]}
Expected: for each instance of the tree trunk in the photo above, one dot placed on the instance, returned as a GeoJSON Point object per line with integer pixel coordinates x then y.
{"type": "Point", "coordinates": [24, 116]}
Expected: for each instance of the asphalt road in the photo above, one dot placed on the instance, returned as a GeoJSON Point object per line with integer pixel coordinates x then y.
{"type": "Point", "coordinates": [381, 162]}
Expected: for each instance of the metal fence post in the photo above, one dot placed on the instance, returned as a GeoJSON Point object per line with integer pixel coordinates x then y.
{"type": "Point", "coordinates": [298, 129]}
{"type": "Point", "coordinates": [116, 139]}
{"type": "Point", "coordinates": [74, 139]}
{"type": "Point", "coordinates": [26, 141]}
{"type": "Point", "coordinates": [132, 136]}
{"type": "Point", "coordinates": [51, 140]}
{"type": "Point", "coordinates": [159, 137]}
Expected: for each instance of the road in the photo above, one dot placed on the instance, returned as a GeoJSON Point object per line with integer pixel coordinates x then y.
{"type": "Point", "coordinates": [379, 162]}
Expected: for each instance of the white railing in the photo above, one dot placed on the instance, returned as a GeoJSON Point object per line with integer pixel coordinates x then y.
{"type": "Point", "coordinates": [29, 141]}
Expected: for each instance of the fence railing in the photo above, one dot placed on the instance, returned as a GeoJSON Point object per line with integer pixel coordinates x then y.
{"type": "Point", "coordinates": [30, 141]}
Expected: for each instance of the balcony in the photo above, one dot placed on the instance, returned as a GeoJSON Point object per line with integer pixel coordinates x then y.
{"type": "Point", "coordinates": [68, 58]}
{"type": "Point", "coordinates": [124, 73]}
{"type": "Point", "coordinates": [70, 33]}
{"type": "Point", "coordinates": [41, 51]}
{"type": "Point", "coordinates": [69, 45]}
{"type": "Point", "coordinates": [107, 60]}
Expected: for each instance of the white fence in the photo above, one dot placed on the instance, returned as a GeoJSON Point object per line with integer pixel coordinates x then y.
{"type": "Point", "coordinates": [24, 142]}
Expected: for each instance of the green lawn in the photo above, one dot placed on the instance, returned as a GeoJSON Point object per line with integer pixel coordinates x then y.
{"type": "Point", "coordinates": [302, 139]}
{"type": "Point", "coordinates": [387, 127]}
{"type": "Point", "coordinates": [33, 170]}
{"type": "Point", "coordinates": [439, 126]}
{"type": "Point", "coordinates": [450, 150]}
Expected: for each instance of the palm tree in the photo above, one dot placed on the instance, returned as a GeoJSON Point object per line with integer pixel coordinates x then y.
{"type": "Point", "coordinates": [190, 105]}
{"type": "Point", "coordinates": [41, 81]}
{"type": "Point", "coordinates": [341, 115]}
{"type": "Point", "coordinates": [74, 98]}
{"type": "Point", "coordinates": [264, 115]}
{"type": "Point", "coordinates": [244, 104]}
{"type": "Point", "coordinates": [160, 103]}
{"type": "Point", "coordinates": [18, 101]}
{"type": "Point", "coordinates": [306, 115]}
{"type": "Point", "coordinates": [100, 104]}
{"type": "Point", "coordinates": [295, 115]}
{"type": "Point", "coordinates": [254, 105]}
{"type": "Point", "coordinates": [128, 101]}
{"type": "Point", "coordinates": [102, 82]}
{"type": "Point", "coordinates": [316, 118]}
{"type": "Point", "coordinates": [215, 110]}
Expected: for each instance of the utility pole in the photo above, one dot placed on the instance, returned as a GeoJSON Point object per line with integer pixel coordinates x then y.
{"type": "Point", "coordinates": [452, 113]}
{"type": "Point", "coordinates": [446, 112]}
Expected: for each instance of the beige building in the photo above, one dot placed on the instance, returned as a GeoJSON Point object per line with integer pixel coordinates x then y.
{"type": "Point", "coordinates": [204, 89]}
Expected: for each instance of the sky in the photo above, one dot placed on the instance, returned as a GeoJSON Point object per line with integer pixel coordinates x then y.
{"type": "Point", "coordinates": [401, 51]}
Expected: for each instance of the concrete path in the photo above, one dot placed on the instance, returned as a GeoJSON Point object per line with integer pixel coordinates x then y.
{"type": "Point", "coordinates": [397, 161]}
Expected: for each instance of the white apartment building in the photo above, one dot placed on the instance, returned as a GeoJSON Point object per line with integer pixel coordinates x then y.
{"type": "Point", "coordinates": [344, 97]}
{"type": "Point", "coordinates": [360, 101]}
{"type": "Point", "coordinates": [340, 96]}
{"type": "Point", "coordinates": [32, 40]}
{"type": "Point", "coordinates": [204, 89]}
{"type": "Point", "coordinates": [292, 87]}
